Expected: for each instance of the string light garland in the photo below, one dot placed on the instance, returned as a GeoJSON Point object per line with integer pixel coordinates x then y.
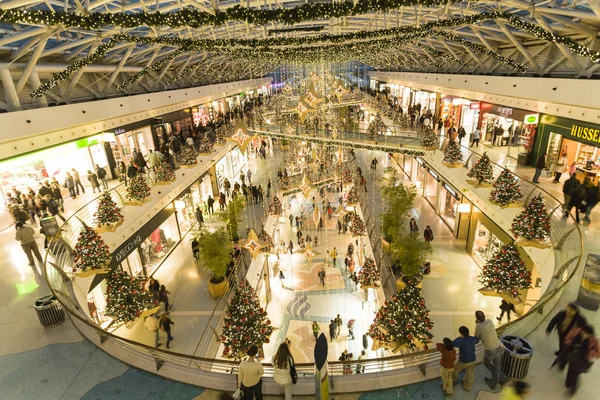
{"type": "Point", "coordinates": [154, 67]}
{"type": "Point", "coordinates": [445, 56]}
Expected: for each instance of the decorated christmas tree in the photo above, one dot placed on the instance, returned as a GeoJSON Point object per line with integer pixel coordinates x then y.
{"type": "Point", "coordinates": [353, 196]}
{"type": "Point", "coordinates": [369, 274]}
{"type": "Point", "coordinates": [138, 188]}
{"type": "Point", "coordinates": [344, 173]}
{"type": "Point", "coordinates": [163, 171]}
{"type": "Point", "coordinates": [125, 297]}
{"type": "Point", "coordinates": [482, 170]}
{"type": "Point", "coordinates": [430, 139]}
{"type": "Point", "coordinates": [275, 208]}
{"type": "Point", "coordinates": [506, 271]}
{"type": "Point", "coordinates": [452, 154]}
{"type": "Point", "coordinates": [506, 189]}
{"type": "Point", "coordinates": [246, 323]}
{"type": "Point", "coordinates": [206, 145]}
{"type": "Point", "coordinates": [265, 237]}
{"type": "Point", "coordinates": [284, 183]}
{"type": "Point", "coordinates": [187, 156]}
{"type": "Point", "coordinates": [91, 252]}
{"type": "Point", "coordinates": [533, 223]}
{"type": "Point", "coordinates": [108, 212]}
{"type": "Point", "coordinates": [376, 127]}
{"type": "Point", "coordinates": [357, 226]}
{"type": "Point", "coordinates": [404, 320]}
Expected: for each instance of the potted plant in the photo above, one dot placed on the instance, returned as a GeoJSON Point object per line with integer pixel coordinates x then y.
{"type": "Point", "coordinates": [215, 255]}
{"type": "Point", "coordinates": [231, 216]}
{"type": "Point", "coordinates": [410, 252]}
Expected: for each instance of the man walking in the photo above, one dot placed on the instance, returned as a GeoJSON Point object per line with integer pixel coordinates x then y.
{"type": "Point", "coordinates": [321, 275]}
{"type": "Point", "coordinates": [331, 330]}
{"type": "Point", "coordinates": [77, 180]}
{"type": "Point", "coordinates": [486, 332]}
{"type": "Point", "coordinates": [152, 325]}
{"type": "Point", "coordinates": [338, 325]}
{"type": "Point", "coordinates": [568, 187]}
{"type": "Point", "coordinates": [539, 167]}
{"type": "Point", "coordinates": [475, 137]}
{"type": "Point", "coordinates": [466, 358]}
{"type": "Point", "coordinates": [334, 255]}
{"type": "Point", "coordinates": [25, 236]}
{"type": "Point", "coordinates": [210, 203]}
{"type": "Point", "coordinates": [101, 173]}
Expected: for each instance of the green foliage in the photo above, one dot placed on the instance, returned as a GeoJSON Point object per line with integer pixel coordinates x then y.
{"type": "Point", "coordinates": [232, 216]}
{"type": "Point", "coordinates": [506, 271]}
{"type": "Point", "coordinates": [215, 251]}
{"type": "Point", "coordinates": [410, 251]}
{"type": "Point", "coordinates": [398, 200]}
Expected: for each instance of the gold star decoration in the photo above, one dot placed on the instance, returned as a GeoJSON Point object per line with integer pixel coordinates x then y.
{"type": "Point", "coordinates": [314, 96]}
{"type": "Point", "coordinates": [309, 98]}
{"type": "Point", "coordinates": [290, 130]}
{"type": "Point", "coordinates": [253, 244]}
{"type": "Point", "coordinates": [309, 252]}
{"type": "Point", "coordinates": [287, 88]}
{"type": "Point", "coordinates": [314, 77]}
{"type": "Point", "coordinates": [303, 108]}
{"type": "Point", "coordinates": [342, 213]}
{"type": "Point", "coordinates": [240, 137]}
{"type": "Point", "coordinates": [305, 187]}
{"type": "Point", "coordinates": [339, 92]}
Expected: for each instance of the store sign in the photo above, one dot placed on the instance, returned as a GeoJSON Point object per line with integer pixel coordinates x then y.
{"type": "Point", "coordinates": [531, 119]}
{"type": "Point", "coordinates": [585, 133]}
{"type": "Point", "coordinates": [450, 190]}
{"type": "Point", "coordinates": [475, 106]}
{"type": "Point", "coordinates": [128, 247]}
{"type": "Point", "coordinates": [119, 131]}
{"type": "Point", "coordinates": [437, 178]}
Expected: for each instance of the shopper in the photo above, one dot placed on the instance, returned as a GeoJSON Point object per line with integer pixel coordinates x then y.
{"type": "Point", "coordinates": [199, 216]}
{"type": "Point", "coordinates": [560, 166]}
{"type": "Point", "coordinates": [249, 176]}
{"type": "Point", "coordinates": [321, 275]}
{"type": "Point", "coordinates": [582, 357]}
{"type": "Point", "coordinates": [101, 173]}
{"type": "Point", "coordinates": [568, 187]}
{"type": "Point", "coordinates": [154, 288]}
{"type": "Point", "coordinates": [539, 167]}
{"type": "Point", "coordinates": [507, 308]}
{"type": "Point", "coordinates": [564, 321]}
{"type": "Point", "coordinates": [299, 235]}
{"type": "Point", "coordinates": [334, 255]}
{"type": "Point", "coordinates": [123, 172]}
{"type": "Point", "coordinates": [466, 357]}
{"type": "Point", "coordinates": [338, 325]}
{"type": "Point", "coordinates": [163, 296]}
{"type": "Point", "coordinates": [447, 364]}
{"type": "Point", "coordinates": [70, 185]}
{"type": "Point", "coordinates": [77, 180]}
{"type": "Point", "coordinates": [518, 391]}
{"type": "Point", "coordinates": [592, 193]}
{"type": "Point", "coordinates": [152, 159]}
{"type": "Point", "coordinates": [165, 325]}
{"type": "Point", "coordinates": [428, 236]}
{"type": "Point", "coordinates": [54, 206]}
{"type": "Point", "coordinates": [576, 201]}
{"type": "Point", "coordinates": [360, 365]}
{"type": "Point", "coordinates": [250, 375]}
{"type": "Point", "coordinates": [152, 325]}
{"type": "Point", "coordinates": [475, 135]}
{"type": "Point", "coordinates": [492, 356]}
{"type": "Point", "coordinates": [282, 369]}
{"type": "Point", "coordinates": [25, 236]}
{"type": "Point", "coordinates": [291, 247]}
{"type": "Point", "coordinates": [93, 180]}
{"type": "Point", "coordinates": [210, 202]}
{"type": "Point", "coordinates": [414, 228]}
{"type": "Point", "coordinates": [281, 278]}
{"type": "Point", "coordinates": [351, 329]}
{"type": "Point", "coordinates": [332, 330]}
{"type": "Point", "coordinates": [315, 329]}
{"type": "Point", "coordinates": [132, 170]}
{"type": "Point", "coordinates": [374, 163]}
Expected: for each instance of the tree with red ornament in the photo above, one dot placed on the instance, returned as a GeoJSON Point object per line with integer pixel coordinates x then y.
{"type": "Point", "coordinates": [125, 297]}
{"type": "Point", "coordinates": [506, 271]}
{"type": "Point", "coordinates": [91, 252]}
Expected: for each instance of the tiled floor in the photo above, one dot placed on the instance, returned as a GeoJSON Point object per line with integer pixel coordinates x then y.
{"type": "Point", "coordinates": [58, 363]}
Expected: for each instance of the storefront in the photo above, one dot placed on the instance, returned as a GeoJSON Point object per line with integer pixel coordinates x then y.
{"type": "Point", "coordinates": [136, 136]}
{"type": "Point", "coordinates": [450, 198]}
{"type": "Point", "coordinates": [179, 121]}
{"type": "Point", "coordinates": [187, 202]}
{"type": "Point", "coordinates": [580, 141]}
{"type": "Point", "coordinates": [31, 169]}
{"type": "Point", "coordinates": [426, 100]}
{"type": "Point", "coordinates": [518, 128]}
{"type": "Point", "coordinates": [230, 166]}
{"type": "Point", "coordinates": [431, 188]}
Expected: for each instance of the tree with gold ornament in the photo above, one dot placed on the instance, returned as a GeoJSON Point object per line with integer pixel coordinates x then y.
{"type": "Point", "coordinates": [137, 189]}
{"type": "Point", "coordinates": [353, 196]}
{"type": "Point", "coordinates": [482, 170]}
{"type": "Point", "coordinates": [246, 323]}
{"type": "Point", "coordinates": [275, 208]}
{"type": "Point", "coordinates": [506, 271]}
{"type": "Point", "coordinates": [533, 223]}
{"type": "Point", "coordinates": [430, 139]}
{"type": "Point", "coordinates": [126, 298]}
{"type": "Point", "coordinates": [265, 237]}
{"type": "Point", "coordinates": [357, 226]}
{"type": "Point", "coordinates": [163, 171]}
{"type": "Point", "coordinates": [369, 274]}
{"type": "Point", "coordinates": [187, 156]}
{"type": "Point", "coordinates": [91, 252]}
{"type": "Point", "coordinates": [403, 320]}
{"type": "Point", "coordinates": [452, 155]}
{"type": "Point", "coordinates": [506, 189]}
{"type": "Point", "coordinates": [108, 212]}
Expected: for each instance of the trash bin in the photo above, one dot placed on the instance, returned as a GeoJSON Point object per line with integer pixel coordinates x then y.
{"type": "Point", "coordinates": [516, 357]}
{"type": "Point", "coordinates": [49, 311]}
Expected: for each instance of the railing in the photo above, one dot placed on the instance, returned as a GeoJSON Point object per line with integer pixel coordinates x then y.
{"type": "Point", "coordinates": [565, 237]}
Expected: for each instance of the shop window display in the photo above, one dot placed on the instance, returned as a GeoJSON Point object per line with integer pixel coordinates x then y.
{"type": "Point", "coordinates": [485, 244]}
{"type": "Point", "coordinates": [155, 247]}
{"type": "Point", "coordinates": [449, 206]}
{"type": "Point", "coordinates": [431, 188]}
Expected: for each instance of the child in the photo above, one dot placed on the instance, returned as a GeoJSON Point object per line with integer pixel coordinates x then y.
{"type": "Point", "coordinates": [447, 364]}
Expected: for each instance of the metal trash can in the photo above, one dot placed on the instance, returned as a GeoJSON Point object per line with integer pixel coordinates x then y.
{"type": "Point", "coordinates": [516, 357]}
{"type": "Point", "coordinates": [49, 311]}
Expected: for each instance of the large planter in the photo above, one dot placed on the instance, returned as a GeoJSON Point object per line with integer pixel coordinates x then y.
{"type": "Point", "coordinates": [164, 183]}
{"type": "Point", "coordinates": [522, 242]}
{"type": "Point", "coordinates": [108, 228]}
{"type": "Point", "coordinates": [188, 165]}
{"type": "Point", "coordinates": [453, 165]}
{"type": "Point", "coordinates": [218, 289]}
{"type": "Point", "coordinates": [134, 202]}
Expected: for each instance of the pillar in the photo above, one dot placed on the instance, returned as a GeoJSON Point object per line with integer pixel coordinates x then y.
{"type": "Point", "coordinates": [10, 92]}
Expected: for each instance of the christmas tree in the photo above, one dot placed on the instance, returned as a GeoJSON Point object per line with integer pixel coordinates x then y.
{"type": "Point", "coordinates": [430, 139]}
{"type": "Point", "coordinates": [376, 127]}
{"type": "Point", "coordinates": [368, 274]}
{"type": "Point", "coordinates": [404, 320]}
{"type": "Point", "coordinates": [506, 271]}
{"type": "Point", "coordinates": [265, 237]}
{"type": "Point", "coordinates": [90, 250]}
{"type": "Point", "coordinates": [108, 213]}
{"type": "Point", "coordinates": [125, 297]}
{"type": "Point", "coordinates": [533, 223]}
{"type": "Point", "coordinates": [506, 189]}
{"type": "Point", "coordinates": [344, 173]}
{"type": "Point", "coordinates": [275, 208]}
{"type": "Point", "coordinates": [452, 154]}
{"type": "Point", "coordinates": [246, 323]}
{"type": "Point", "coordinates": [357, 227]}
{"type": "Point", "coordinates": [138, 188]}
{"type": "Point", "coordinates": [482, 170]}
{"type": "Point", "coordinates": [206, 145]}
{"type": "Point", "coordinates": [163, 171]}
{"type": "Point", "coordinates": [353, 196]}
{"type": "Point", "coordinates": [187, 156]}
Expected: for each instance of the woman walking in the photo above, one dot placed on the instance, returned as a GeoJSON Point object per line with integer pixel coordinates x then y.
{"type": "Point", "coordinates": [165, 325]}
{"type": "Point", "coordinates": [93, 179]}
{"type": "Point", "coordinates": [428, 236]}
{"type": "Point", "coordinates": [163, 296]}
{"type": "Point", "coordinates": [282, 369]}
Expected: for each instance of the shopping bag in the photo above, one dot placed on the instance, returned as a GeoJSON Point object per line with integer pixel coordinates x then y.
{"type": "Point", "coordinates": [238, 394]}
